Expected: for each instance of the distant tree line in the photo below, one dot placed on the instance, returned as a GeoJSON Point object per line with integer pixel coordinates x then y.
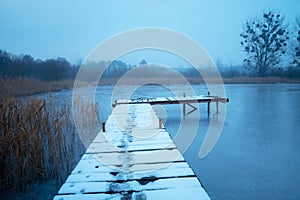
{"type": "Point", "coordinates": [13, 66]}
{"type": "Point", "coordinates": [26, 66]}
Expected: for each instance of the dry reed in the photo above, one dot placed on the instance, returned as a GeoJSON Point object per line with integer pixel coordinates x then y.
{"type": "Point", "coordinates": [21, 86]}
{"type": "Point", "coordinates": [38, 141]}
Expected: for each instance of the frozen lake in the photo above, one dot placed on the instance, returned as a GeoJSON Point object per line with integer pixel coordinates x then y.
{"type": "Point", "coordinates": [258, 153]}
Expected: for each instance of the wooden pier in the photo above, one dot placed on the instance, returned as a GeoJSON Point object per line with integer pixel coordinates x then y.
{"type": "Point", "coordinates": [185, 100]}
{"type": "Point", "coordinates": [134, 158]}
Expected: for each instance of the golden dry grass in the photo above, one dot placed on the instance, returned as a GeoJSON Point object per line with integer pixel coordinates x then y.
{"type": "Point", "coordinates": [38, 141]}
{"type": "Point", "coordinates": [26, 86]}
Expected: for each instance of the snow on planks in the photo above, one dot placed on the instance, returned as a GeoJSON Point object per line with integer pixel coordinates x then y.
{"type": "Point", "coordinates": [174, 100]}
{"type": "Point", "coordinates": [133, 159]}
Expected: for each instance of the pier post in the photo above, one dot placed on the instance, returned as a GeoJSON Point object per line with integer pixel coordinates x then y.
{"type": "Point", "coordinates": [103, 127]}
{"type": "Point", "coordinates": [208, 104]}
{"type": "Point", "coordinates": [183, 106]}
{"type": "Point", "coordinates": [160, 123]}
{"type": "Point", "coordinates": [217, 107]}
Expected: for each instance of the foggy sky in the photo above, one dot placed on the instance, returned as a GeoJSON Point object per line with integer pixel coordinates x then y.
{"type": "Point", "coordinates": [71, 29]}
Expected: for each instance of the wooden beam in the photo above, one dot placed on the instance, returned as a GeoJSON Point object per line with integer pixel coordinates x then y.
{"type": "Point", "coordinates": [208, 104]}
{"type": "Point", "coordinates": [183, 107]}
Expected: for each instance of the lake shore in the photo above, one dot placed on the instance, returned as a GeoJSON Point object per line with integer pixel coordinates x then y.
{"type": "Point", "coordinates": [259, 80]}
{"type": "Point", "coordinates": [25, 86]}
{"type": "Point", "coordinates": [170, 81]}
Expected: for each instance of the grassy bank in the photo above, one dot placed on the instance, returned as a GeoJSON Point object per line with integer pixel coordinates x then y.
{"type": "Point", "coordinates": [170, 81]}
{"type": "Point", "coordinates": [259, 80]}
{"type": "Point", "coordinates": [20, 86]}
{"type": "Point", "coordinates": [25, 86]}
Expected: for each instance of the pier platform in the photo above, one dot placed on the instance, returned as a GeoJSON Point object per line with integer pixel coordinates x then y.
{"type": "Point", "coordinates": [174, 100]}
{"type": "Point", "coordinates": [134, 158]}
{"type": "Point", "coordinates": [185, 100]}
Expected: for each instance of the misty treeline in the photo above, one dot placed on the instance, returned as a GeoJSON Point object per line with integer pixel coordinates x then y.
{"type": "Point", "coordinates": [13, 66]}
{"type": "Point", "coordinates": [118, 68]}
{"type": "Point", "coordinates": [25, 66]}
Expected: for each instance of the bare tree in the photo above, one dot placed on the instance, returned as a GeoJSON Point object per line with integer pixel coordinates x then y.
{"type": "Point", "coordinates": [296, 53]}
{"type": "Point", "coordinates": [264, 41]}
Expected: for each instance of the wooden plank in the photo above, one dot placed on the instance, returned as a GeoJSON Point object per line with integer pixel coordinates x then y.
{"type": "Point", "coordinates": [174, 193]}
{"type": "Point", "coordinates": [139, 157]}
{"type": "Point", "coordinates": [139, 135]}
{"type": "Point", "coordinates": [88, 197]}
{"type": "Point", "coordinates": [136, 185]}
{"type": "Point", "coordinates": [109, 147]}
{"type": "Point", "coordinates": [86, 167]}
{"type": "Point", "coordinates": [93, 165]}
{"type": "Point", "coordinates": [171, 171]}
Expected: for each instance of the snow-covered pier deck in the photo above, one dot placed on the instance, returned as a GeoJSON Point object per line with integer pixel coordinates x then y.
{"type": "Point", "coordinates": [185, 100]}
{"type": "Point", "coordinates": [174, 100]}
{"type": "Point", "coordinates": [134, 158]}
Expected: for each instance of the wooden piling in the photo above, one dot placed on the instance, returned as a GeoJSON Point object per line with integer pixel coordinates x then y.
{"type": "Point", "coordinates": [160, 123]}
{"type": "Point", "coordinates": [208, 104]}
{"type": "Point", "coordinates": [103, 127]}
{"type": "Point", "coordinates": [183, 106]}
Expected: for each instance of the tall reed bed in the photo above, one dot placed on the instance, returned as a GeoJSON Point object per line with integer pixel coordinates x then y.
{"type": "Point", "coordinates": [86, 116]}
{"type": "Point", "coordinates": [38, 141]}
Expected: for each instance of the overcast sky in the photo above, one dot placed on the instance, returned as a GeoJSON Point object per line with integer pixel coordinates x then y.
{"type": "Point", "coordinates": [72, 28]}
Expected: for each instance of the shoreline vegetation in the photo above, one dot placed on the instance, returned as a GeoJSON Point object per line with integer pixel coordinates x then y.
{"type": "Point", "coordinates": [39, 142]}
{"type": "Point", "coordinates": [22, 75]}
{"type": "Point", "coordinates": [20, 86]}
